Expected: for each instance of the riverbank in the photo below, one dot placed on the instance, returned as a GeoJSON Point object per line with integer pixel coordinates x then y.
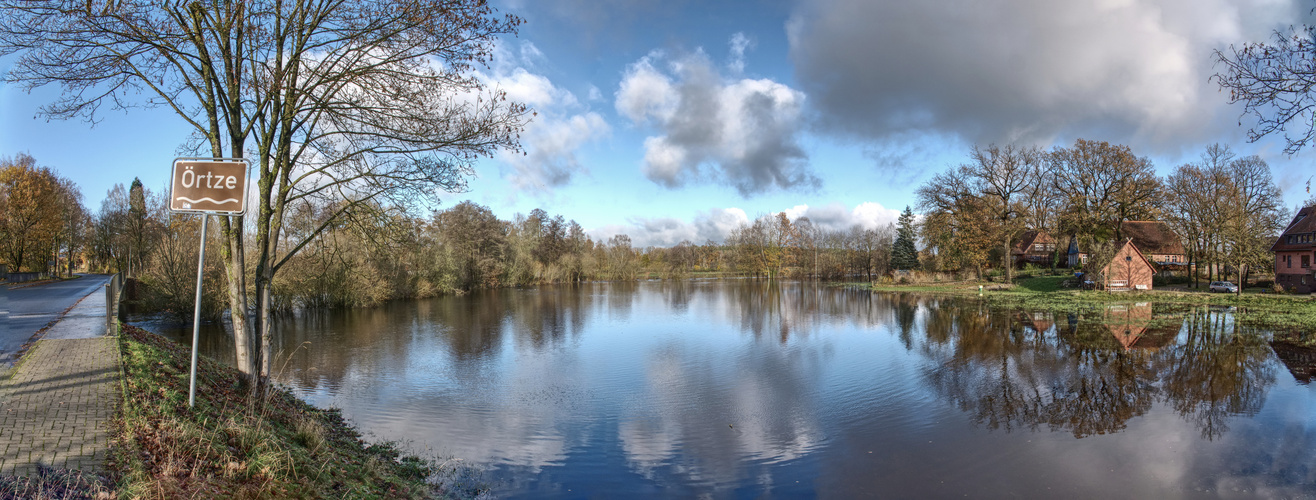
{"type": "Point", "coordinates": [1292, 317]}
{"type": "Point", "coordinates": [227, 447]}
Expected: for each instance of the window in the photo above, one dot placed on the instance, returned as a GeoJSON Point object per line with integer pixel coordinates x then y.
{"type": "Point", "coordinates": [1306, 261]}
{"type": "Point", "coordinates": [1288, 261]}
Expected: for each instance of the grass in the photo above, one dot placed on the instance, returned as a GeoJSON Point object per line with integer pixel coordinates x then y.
{"type": "Point", "coordinates": [230, 446]}
{"type": "Point", "coordinates": [1291, 317]}
{"type": "Point", "coordinates": [56, 484]}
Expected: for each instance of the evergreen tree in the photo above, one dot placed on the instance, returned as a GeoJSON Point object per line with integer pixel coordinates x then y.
{"type": "Point", "coordinates": [904, 255]}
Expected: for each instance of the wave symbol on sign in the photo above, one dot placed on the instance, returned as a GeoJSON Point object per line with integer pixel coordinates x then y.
{"type": "Point", "coordinates": [209, 199]}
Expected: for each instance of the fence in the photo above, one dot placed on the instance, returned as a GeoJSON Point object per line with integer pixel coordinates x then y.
{"type": "Point", "coordinates": [113, 298]}
{"type": "Point", "coordinates": [21, 277]}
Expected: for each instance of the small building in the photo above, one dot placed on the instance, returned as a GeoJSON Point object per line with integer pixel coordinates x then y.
{"type": "Point", "coordinates": [1295, 253]}
{"type": "Point", "coordinates": [1128, 270]}
{"type": "Point", "coordinates": [1033, 247]}
{"type": "Point", "coordinates": [1157, 242]}
{"type": "Point", "coordinates": [1074, 256]}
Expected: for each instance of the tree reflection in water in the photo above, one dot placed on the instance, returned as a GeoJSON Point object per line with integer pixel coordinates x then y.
{"type": "Point", "coordinates": [1096, 371]}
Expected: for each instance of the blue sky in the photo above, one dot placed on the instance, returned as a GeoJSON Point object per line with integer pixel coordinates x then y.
{"type": "Point", "coordinates": [671, 119]}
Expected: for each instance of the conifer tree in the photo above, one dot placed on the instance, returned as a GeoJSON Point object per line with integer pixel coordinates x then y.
{"type": "Point", "coordinates": [904, 255]}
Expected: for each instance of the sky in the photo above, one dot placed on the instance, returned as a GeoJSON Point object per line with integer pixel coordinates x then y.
{"type": "Point", "coordinates": [673, 120]}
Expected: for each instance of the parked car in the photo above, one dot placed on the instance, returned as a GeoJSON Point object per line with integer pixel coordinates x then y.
{"type": "Point", "coordinates": [1224, 286]}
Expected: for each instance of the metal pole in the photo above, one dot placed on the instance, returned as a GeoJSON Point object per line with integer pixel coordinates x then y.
{"type": "Point", "coordinates": [196, 313]}
{"type": "Point", "coordinates": [109, 308]}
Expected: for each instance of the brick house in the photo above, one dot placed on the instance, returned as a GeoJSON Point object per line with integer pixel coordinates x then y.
{"type": "Point", "coordinates": [1128, 269]}
{"type": "Point", "coordinates": [1295, 253]}
{"type": "Point", "coordinates": [1033, 247]}
{"type": "Point", "coordinates": [1157, 242]}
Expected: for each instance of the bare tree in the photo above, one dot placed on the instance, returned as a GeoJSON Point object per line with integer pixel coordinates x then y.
{"type": "Point", "coordinates": [1189, 191]}
{"type": "Point", "coordinates": [340, 103]}
{"type": "Point", "coordinates": [1002, 176]}
{"type": "Point", "coordinates": [1275, 83]}
{"type": "Point", "coordinates": [1103, 185]}
{"type": "Point", "coordinates": [1254, 213]}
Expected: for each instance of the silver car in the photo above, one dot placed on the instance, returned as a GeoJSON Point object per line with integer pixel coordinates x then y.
{"type": "Point", "coordinates": [1224, 286]}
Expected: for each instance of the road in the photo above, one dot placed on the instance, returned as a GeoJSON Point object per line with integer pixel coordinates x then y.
{"type": "Point", "coordinates": [31, 308]}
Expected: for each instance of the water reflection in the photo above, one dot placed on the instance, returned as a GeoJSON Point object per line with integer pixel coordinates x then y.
{"type": "Point", "coordinates": [747, 387]}
{"type": "Point", "coordinates": [1014, 370]}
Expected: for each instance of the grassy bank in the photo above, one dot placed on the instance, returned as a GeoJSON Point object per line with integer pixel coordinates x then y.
{"type": "Point", "coordinates": [228, 447]}
{"type": "Point", "coordinates": [1289, 315]}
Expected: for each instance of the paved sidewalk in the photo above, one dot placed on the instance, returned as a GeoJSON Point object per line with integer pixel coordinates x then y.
{"type": "Point", "coordinates": [56, 406]}
{"type": "Point", "coordinates": [85, 320]}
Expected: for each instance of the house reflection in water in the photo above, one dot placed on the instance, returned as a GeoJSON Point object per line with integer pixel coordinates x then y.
{"type": "Point", "coordinates": [1133, 327]}
{"type": "Point", "coordinates": [1300, 360]}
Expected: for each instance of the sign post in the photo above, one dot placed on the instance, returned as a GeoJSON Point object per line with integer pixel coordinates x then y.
{"type": "Point", "coordinates": [206, 186]}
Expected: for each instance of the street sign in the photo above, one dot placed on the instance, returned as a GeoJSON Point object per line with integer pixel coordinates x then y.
{"type": "Point", "coordinates": [209, 185]}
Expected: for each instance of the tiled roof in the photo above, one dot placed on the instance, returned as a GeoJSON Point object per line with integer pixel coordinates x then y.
{"type": "Point", "coordinates": [1153, 237]}
{"type": "Point", "coordinates": [1302, 223]}
{"type": "Point", "coordinates": [1027, 239]}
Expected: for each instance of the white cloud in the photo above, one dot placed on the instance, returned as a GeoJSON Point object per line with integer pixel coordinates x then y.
{"type": "Point", "coordinates": [1132, 71]}
{"type": "Point", "coordinates": [560, 127]}
{"type": "Point", "coordinates": [836, 217]}
{"type": "Point", "coordinates": [742, 133]}
{"type": "Point", "coordinates": [739, 42]}
{"type": "Point", "coordinates": [646, 92]}
{"type": "Point", "coordinates": [716, 224]}
{"type": "Point", "coordinates": [551, 144]}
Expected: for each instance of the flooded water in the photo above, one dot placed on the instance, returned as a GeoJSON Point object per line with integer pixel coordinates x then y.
{"type": "Point", "coordinates": [750, 389]}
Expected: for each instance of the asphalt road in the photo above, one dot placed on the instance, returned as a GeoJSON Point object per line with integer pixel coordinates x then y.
{"type": "Point", "coordinates": [31, 308]}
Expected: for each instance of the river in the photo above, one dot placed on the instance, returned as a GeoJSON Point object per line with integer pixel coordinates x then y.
{"type": "Point", "coordinates": [744, 388]}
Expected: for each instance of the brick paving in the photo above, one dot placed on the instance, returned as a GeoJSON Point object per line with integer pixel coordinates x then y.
{"type": "Point", "coordinates": [56, 406]}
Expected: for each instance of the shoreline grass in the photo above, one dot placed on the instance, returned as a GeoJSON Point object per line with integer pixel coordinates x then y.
{"type": "Point", "coordinates": [231, 447]}
{"type": "Point", "coordinates": [1292, 317]}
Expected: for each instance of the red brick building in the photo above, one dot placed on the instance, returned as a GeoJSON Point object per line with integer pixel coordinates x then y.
{"type": "Point", "coordinates": [1157, 242]}
{"type": "Point", "coordinates": [1128, 270]}
{"type": "Point", "coordinates": [1295, 253]}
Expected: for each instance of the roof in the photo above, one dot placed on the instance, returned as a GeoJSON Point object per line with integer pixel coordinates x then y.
{"type": "Point", "coordinates": [1027, 239]}
{"type": "Point", "coordinates": [1136, 251]}
{"type": "Point", "coordinates": [1301, 224]}
{"type": "Point", "coordinates": [1153, 237]}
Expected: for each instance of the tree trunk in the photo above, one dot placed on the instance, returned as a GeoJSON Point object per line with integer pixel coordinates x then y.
{"type": "Point", "coordinates": [237, 294]}
{"type": "Point", "coordinates": [1241, 281]}
{"type": "Point", "coordinates": [1009, 266]}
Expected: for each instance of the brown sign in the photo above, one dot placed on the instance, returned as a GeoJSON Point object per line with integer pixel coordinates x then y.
{"type": "Point", "coordinates": [209, 186]}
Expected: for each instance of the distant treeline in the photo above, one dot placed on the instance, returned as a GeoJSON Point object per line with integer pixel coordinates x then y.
{"type": "Point", "coordinates": [374, 254]}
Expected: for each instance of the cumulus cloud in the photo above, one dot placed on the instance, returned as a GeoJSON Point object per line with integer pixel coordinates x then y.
{"type": "Point", "coordinates": [713, 224]}
{"type": "Point", "coordinates": [1027, 70]}
{"type": "Point", "coordinates": [741, 133]}
{"type": "Point", "coordinates": [562, 124]}
{"type": "Point", "coordinates": [836, 217]}
{"type": "Point", "coordinates": [717, 224]}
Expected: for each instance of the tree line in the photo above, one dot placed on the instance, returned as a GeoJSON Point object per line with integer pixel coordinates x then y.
{"type": "Point", "coordinates": [41, 216]}
{"type": "Point", "coordinates": [373, 253]}
{"type": "Point", "coordinates": [1225, 209]}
